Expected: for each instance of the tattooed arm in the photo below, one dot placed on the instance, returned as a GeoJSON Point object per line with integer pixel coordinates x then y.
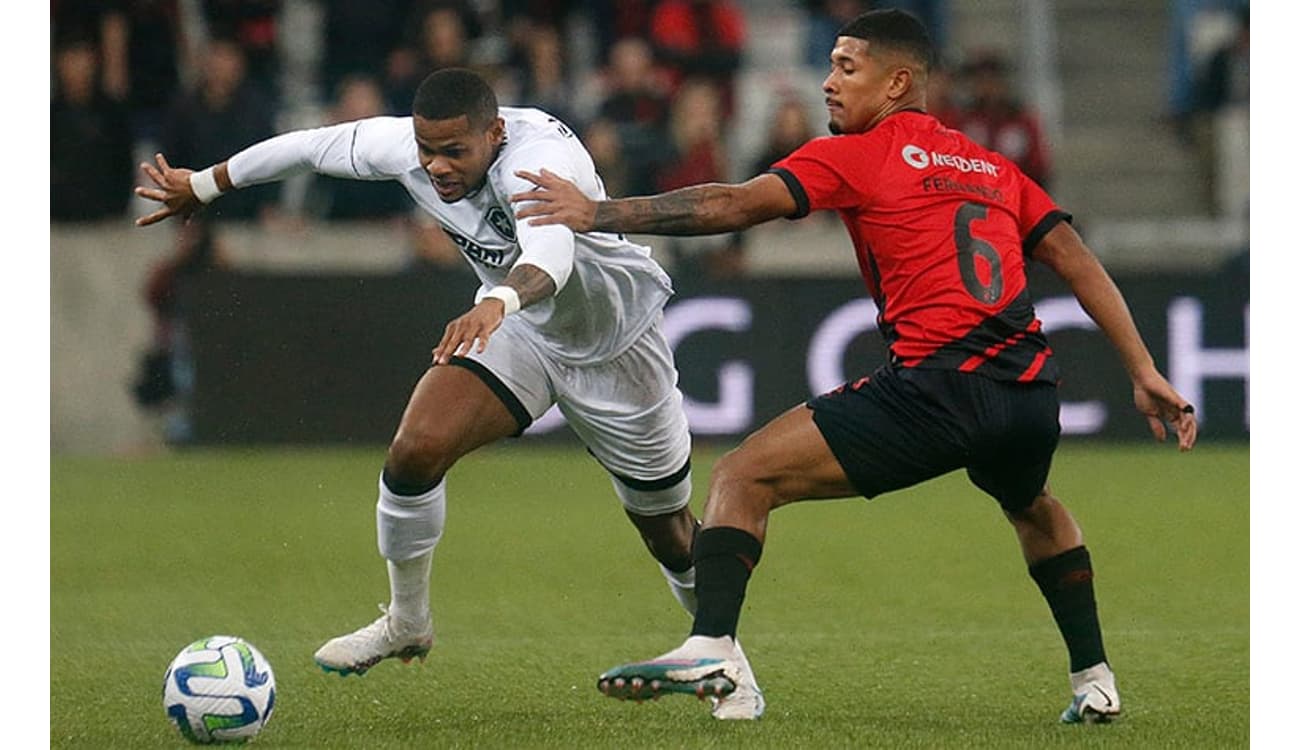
{"type": "Point", "coordinates": [711, 208]}
{"type": "Point", "coordinates": [531, 283]}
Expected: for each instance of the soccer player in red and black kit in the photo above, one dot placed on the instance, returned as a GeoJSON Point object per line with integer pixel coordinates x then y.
{"type": "Point", "coordinates": [942, 229]}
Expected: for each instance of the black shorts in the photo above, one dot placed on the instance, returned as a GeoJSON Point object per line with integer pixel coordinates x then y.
{"type": "Point", "coordinates": [902, 426]}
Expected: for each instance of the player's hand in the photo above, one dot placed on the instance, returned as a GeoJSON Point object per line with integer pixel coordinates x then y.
{"type": "Point", "coordinates": [171, 188]}
{"type": "Point", "coordinates": [476, 325]}
{"type": "Point", "coordinates": [1162, 405]}
{"type": "Point", "coordinates": [556, 201]}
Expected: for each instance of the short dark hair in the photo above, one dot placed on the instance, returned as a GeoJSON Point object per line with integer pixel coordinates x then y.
{"type": "Point", "coordinates": [452, 92]}
{"type": "Point", "coordinates": [893, 29]}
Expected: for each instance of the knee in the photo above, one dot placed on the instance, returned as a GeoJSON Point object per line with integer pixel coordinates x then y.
{"type": "Point", "coordinates": [733, 471]}
{"type": "Point", "coordinates": [417, 459]}
{"type": "Point", "coordinates": [738, 475]}
{"type": "Point", "coordinates": [1045, 514]}
{"type": "Point", "coordinates": [1039, 506]}
{"type": "Point", "coordinates": [1036, 515]}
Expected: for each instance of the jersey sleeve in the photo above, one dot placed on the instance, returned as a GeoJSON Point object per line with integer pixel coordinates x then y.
{"type": "Point", "coordinates": [1037, 215]}
{"type": "Point", "coordinates": [815, 174]}
{"type": "Point", "coordinates": [550, 248]}
{"type": "Point", "coordinates": [378, 148]}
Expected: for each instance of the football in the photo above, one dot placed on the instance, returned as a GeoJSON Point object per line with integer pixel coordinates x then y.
{"type": "Point", "coordinates": [219, 689]}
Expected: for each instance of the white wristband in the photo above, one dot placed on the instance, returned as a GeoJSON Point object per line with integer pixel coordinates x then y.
{"type": "Point", "coordinates": [508, 296]}
{"type": "Point", "coordinates": [204, 185]}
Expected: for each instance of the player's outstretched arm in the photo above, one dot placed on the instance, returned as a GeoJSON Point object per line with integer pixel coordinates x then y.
{"type": "Point", "coordinates": [712, 208]}
{"type": "Point", "coordinates": [1064, 252]}
{"type": "Point", "coordinates": [180, 191]}
{"type": "Point", "coordinates": [369, 149]}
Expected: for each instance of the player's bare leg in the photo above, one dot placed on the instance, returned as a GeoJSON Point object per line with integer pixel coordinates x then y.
{"type": "Point", "coordinates": [669, 538]}
{"type": "Point", "coordinates": [1059, 563]}
{"type": "Point", "coordinates": [1045, 529]}
{"type": "Point", "coordinates": [451, 412]}
{"type": "Point", "coordinates": [785, 461]}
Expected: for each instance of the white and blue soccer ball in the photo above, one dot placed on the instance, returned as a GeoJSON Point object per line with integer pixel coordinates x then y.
{"type": "Point", "coordinates": [219, 689]}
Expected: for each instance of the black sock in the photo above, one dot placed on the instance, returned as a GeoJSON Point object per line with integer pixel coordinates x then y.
{"type": "Point", "coordinates": [724, 558]}
{"type": "Point", "coordinates": [1066, 583]}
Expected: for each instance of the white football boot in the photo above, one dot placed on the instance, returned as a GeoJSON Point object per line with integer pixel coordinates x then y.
{"type": "Point", "coordinates": [746, 701]}
{"type": "Point", "coordinates": [1096, 700]}
{"type": "Point", "coordinates": [702, 666]}
{"type": "Point", "coordinates": [385, 638]}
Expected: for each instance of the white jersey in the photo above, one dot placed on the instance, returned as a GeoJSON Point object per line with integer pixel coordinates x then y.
{"type": "Point", "coordinates": [609, 289]}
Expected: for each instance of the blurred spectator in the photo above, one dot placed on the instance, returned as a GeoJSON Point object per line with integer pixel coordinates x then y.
{"type": "Point", "coordinates": [825, 18]}
{"type": "Point", "coordinates": [544, 73]}
{"type": "Point", "coordinates": [614, 22]}
{"type": "Point", "coordinates": [942, 98]}
{"type": "Point", "coordinates": [156, 44]}
{"type": "Point", "coordinates": [933, 13]}
{"type": "Point", "coordinates": [636, 101]}
{"type": "Point", "coordinates": [996, 120]}
{"type": "Point", "coordinates": [221, 116]}
{"type": "Point", "coordinates": [636, 91]}
{"type": "Point", "coordinates": [91, 165]}
{"type": "Point", "coordinates": [253, 25]}
{"type": "Point", "coordinates": [140, 44]}
{"type": "Point", "coordinates": [100, 24]}
{"type": "Point", "coordinates": [1224, 81]}
{"type": "Point", "coordinates": [696, 138]}
{"type": "Point", "coordinates": [606, 148]}
{"type": "Point", "coordinates": [698, 155]}
{"type": "Point", "coordinates": [1190, 23]}
{"type": "Point", "coordinates": [790, 129]}
{"type": "Point", "coordinates": [439, 36]}
{"type": "Point", "coordinates": [700, 39]}
{"type": "Point", "coordinates": [165, 381]}
{"type": "Point", "coordinates": [331, 198]}
{"type": "Point", "coordinates": [524, 15]}
{"type": "Point", "coordinates": [359, 38]}
{"type": "Point", "coordinates": [1222, 120]}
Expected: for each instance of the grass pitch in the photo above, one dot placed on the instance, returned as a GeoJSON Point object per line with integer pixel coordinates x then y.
{"type": "Point", "coordinates": [905, 622]}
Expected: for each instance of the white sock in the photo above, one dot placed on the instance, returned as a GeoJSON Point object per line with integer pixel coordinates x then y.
{"type": "Point", "coordinates": [408, 529]}
{"type": "Point", "coordinates": [408, 581]}
{"type": "Point", "coordinates": [683, 588]}
{"type": "Point", "coordinates": [1099, 672]}
{"type": "Point", "coordinates": [718, 647]}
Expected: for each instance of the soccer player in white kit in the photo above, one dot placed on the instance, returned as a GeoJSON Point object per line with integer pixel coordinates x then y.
{"type": "Point", "coordinates": [560, 318]}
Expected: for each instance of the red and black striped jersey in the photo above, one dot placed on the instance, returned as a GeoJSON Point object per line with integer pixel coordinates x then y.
{"type": "Point", "coordinates": [942, 229]}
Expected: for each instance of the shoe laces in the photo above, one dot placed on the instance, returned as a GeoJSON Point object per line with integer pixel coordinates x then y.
{"type": "Point", "coordinates": [382, 627]}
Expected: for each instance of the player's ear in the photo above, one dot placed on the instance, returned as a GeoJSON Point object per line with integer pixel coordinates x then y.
{"type": "Point", "coordinates": [497, 131]}
{"type": "Point", "coordinates": [901, 81]}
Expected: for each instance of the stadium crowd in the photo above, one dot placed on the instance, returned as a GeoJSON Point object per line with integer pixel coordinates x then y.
{"type": "Point", "coordinates": [652, 100]}
{"type": "Point", "coordinates": [649, 84]}
{"type": "Point", "coordinates": [653, 94]}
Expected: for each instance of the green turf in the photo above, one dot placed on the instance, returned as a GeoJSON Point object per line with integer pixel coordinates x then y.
{"type": "Point", "coordinates": [905, 622]}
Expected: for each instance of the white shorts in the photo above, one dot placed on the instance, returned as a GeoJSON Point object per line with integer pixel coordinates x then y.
{"type": "Point", "coordinates": [627, 411]}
